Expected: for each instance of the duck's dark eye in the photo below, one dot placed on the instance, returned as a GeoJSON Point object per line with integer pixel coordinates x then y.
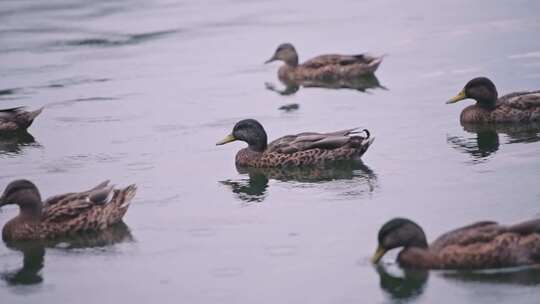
{"type": "Point", "coordinates": [239, 128]}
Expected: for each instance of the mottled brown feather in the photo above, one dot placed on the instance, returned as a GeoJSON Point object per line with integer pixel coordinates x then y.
{"type": "Point", "coordinates": [16, 119]}
{"type": "Point", "coordinates": [479, 246]}
{"type": "Point", "coordinates": [329, 67]}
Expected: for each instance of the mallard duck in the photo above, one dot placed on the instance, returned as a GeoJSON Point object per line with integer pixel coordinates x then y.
{"type": "Point", "coordinates": [303, 149]}
{"type": "Point", "coordinates": [480, 245]}
{"type": "Point", "coordinates": [513, 107]}
{"type": "Point", "coordinates": [63, 214]}
{"type": "Point", "coordinates": [16, 119]}
{"type": "Point", "coordinates": [323, 67]}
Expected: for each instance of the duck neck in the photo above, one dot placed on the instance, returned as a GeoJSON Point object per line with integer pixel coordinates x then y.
{"type": "Point", "coordinates": [417, 257]}
{"type": "Point", "coordinates": [257, 140]}
{"type": "Point", "coordinates": [487, 103]}
{"type": "Point", "coordinates": [292, 61]}
{"type": "Point", "coordinates": [487, 100]}
{"type": "Point", "coordinates": [31, 207]}
{"type": "Point", "coordinates": [258, 145]}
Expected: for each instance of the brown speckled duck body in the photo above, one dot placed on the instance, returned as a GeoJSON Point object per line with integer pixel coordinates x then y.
{"type": "Point", "coordinates": [302, 149]}
{"type": "Point", "coordinates": [324, 67]}
{"type": "Point", "coordinates": [517, 107]}
{"type": "Point", "coordinates": [16, 119]}
{"type": "Point", "coordinates": [482, 245]}
{"type": "Point", "coordinates": [64, 214]}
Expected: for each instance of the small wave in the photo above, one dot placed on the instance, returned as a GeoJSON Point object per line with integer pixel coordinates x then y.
{"type": "Point", "coordinates": [61, 83]}
{"type": "Point", "coordinates": [118, 40]}
{"type": "Point", "coordinates": [9, 91]}
{"type": "Point", "coordinates": [528, 55]}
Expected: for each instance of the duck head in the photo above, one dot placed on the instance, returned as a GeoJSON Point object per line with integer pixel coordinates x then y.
{"type": "Point", "coordinates": [23, 193]}
{"type": "Point", "coordinates": [396, 233]}
{"type": "Point", "coordinates": [480, 89]}
{"type": "Point", "coordinates": [286, 53]}
{"type": "Point", "coordinates": [249, 131]}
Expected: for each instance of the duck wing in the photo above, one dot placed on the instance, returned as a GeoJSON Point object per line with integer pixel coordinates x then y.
{"type": "Point", "coordinates": [63, 198]}
{"type": "Point", "coordinates": [526, 228]}
{"type": "Point", "coordinates": [479, 232]}
{"type": "Point", "coordinates": [521, 100]}
{"type": "Point", "coordinates": [71, 205]}
{"type": "Point", "coordinates": [310, 140]}
{"type": "Point", "coordinates": [489, 245]}
{"type": "Point", "coordinates": [335, 59]}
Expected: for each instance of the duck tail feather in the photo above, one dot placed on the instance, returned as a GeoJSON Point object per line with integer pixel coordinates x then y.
{"type": "Point", "coordinates": [32, 115]}
{"type": "Point", "coordinates": [129, 192]}
{"type": "Point", "coordinates": [102, 195]}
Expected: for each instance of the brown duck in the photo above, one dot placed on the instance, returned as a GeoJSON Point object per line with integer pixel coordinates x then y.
{"type": "Point", "coordinates": [16, 119]}
{"type": "Point", "coordinates": [303, 149]}
{"type": "Point", "coordinates": [481, 245]}
{"type": "Point", "coordinates": [323, 67]}
{"type": "Point", "coordinates": [64, 214]}
{"type": "Point", "coordinates": [517, 107]}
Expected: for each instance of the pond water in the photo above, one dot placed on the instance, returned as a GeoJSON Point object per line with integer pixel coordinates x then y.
{"type": "Point", "coordinates": [140, 91]}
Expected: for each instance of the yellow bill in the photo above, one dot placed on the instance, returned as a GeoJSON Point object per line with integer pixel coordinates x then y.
{"type": "Point", "coordinates": [229, 138]}
{"type": "Point", "coordinates": [460, 96]}
{"type": "Point", "coordinates": [378, 255]}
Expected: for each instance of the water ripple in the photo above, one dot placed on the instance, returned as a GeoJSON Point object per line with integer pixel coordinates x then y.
{"type": "Point", "coordinates": [116, 39]}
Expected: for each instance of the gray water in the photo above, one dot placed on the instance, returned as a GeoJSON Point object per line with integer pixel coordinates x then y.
{"type": "Point", "coordinates": [140, 91]}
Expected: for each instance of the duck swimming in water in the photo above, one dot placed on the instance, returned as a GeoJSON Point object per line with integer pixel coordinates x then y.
{"type": "Point", "coordinates": [324, 67]}
{"type": "Point", "coordinates": [64, 214]}
{"type": "Point", "coordinates": [481, 245]}
{"type": "Point", "coordinates": [303, 149]}
{"type": "Point", "coordinates": [517, 107]}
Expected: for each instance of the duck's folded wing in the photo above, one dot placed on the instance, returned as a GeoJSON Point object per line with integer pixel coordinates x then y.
{"type": "Point", "coordinates": [65, 197]}
{"type": "Point", "coordinates": [335, 59]}
{"type": "Point", "coordinates": [525, 228]}
{"type": "Point", "coordinates": [75, 204]}
{"type": "Point", "coordinates": [522, 100]}
{"type": "Point", "coordinates": [10, 113]}
{"type": "Point", "coordinates": [311, 140]}
{"type": "Point", "coordinates": [345, 132]}
{"type": "Point", "coordinates": [67, 209]}
{"type": "Point", "coordinates": [57, 198]}
{"type": "Point", "coordinates": [478, 232]}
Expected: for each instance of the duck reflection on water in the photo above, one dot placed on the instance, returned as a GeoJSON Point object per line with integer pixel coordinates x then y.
{"type": "Point", "coordinates": [487, 140]}
{"type": "Point", "coordinates": [521, 276]}
{"type": "Point", "coordinates": [410, 285]}
{"type": "Point", "coordinates": [14, 143]}
{"type": "Point", "coordinates": [34, 251]}
{"type": "Point", "coordinates": [254, 188]}
{"type": "Point", "coordinates": [362, 84]}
